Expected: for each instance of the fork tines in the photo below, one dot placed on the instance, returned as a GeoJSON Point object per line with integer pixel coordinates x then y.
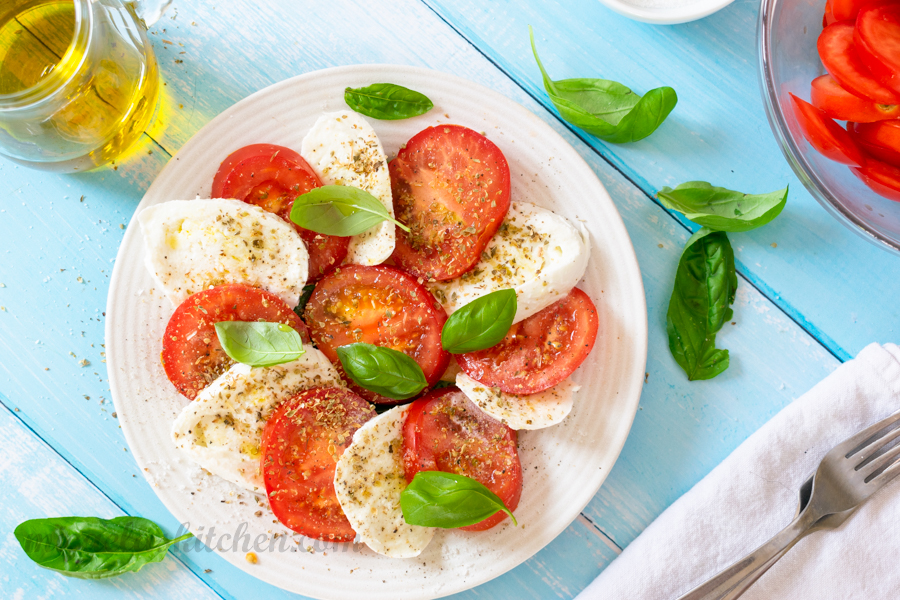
{"type": "Point", "coordinates": [878, 447]}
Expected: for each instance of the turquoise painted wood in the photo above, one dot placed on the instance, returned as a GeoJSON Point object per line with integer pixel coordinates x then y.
{"type": "Point", "coordinates": [717, 133]}
{"type": "Point", "coordinates": [790, 327]}
{"type": "Point", "coordinates": [35, 483]}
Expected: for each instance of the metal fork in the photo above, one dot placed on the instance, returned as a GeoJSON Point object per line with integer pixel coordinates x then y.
{"type": "Point", "coordinates": [850, 473]}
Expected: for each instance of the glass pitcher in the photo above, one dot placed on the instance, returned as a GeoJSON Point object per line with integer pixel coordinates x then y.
{"type": "Point", "coordinates": [79, 81]}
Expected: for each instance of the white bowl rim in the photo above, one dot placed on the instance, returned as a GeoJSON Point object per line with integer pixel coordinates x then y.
{"type": "Point", "coordinates": [667, 16]}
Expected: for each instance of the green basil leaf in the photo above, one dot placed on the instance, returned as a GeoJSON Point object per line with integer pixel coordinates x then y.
{"type": "Point", "coordinates": [259, 344]}
{"type": "Point", "coordinates": [607, 109]}
{"type": "Point", "coordinates": [387, 101]}
{"type": "Point", "coordinates": [304, 299]}
{"type": "Point", "coordinates": [92, 548]}
{"type": "Point", "coordinates": [384, 371]}
{"type": "Point", "coordinates": [438, 499]}
{"type": "Point", "coordinates": [646, 116]}
{"type": "Point", "coordinates": [722, 209]}
{"type": "Point", "coordinates": [705, 285]}
{"type": "Point", "coordinates": [340, 210]}
{"type": "Point", "coordinates": [480, 324]}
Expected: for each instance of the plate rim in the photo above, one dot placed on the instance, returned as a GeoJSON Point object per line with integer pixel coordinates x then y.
{"type": "Point", "coordinates": [633, 386]}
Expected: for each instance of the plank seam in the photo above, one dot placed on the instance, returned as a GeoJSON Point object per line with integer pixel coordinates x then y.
{"type": "Point", "coordinates": [766, 292]}
{"type": "Point", "coordinates": [5, 403]}
{"type": "Point", "coordinates": [587, 522]}
{"type": "Point", "coordinates": [158, 145]}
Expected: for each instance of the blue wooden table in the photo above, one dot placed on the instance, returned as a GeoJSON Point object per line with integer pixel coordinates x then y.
{"type": "Point", "coordinates": [811, 293]}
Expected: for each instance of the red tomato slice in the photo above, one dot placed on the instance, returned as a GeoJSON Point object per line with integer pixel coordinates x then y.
{"type": "Point", "coordinates": [839, 104]}
{"type": "Point", "coordinates": [843, 10]}
{"type": "Point", "coordinates": [301, 443]}
{"type": "Point", "coordinates": [881, 140]}
{"type": "Point", "coordinates": [882, 178]}
{"type": "Point", "coordinates": [192, 355]}
{"type": "Point", "coordinates": [451, 188]}
{"type": "Point", "coordinates": [540, 351]}
{"type": "Point", "coordinates": [825, 135]}
{"type": "Point", "coordinates": [839, 55]}
{"type": "Point", "coordinates": [378, 305]}
{"type": "Point", "coordinates": [272, 177]}
{"type": "Point", "coordinates": [828, 17]}
{"type": "Point", "coordinates": [877, 38]}
{"type": "Point", "coordinates": [445, 431]}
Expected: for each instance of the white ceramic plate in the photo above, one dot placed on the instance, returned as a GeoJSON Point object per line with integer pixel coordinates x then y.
{"type": "Point", "coordinates": [563, 465]}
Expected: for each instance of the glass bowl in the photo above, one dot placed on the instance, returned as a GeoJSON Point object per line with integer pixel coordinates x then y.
{"type": "Point", "coordinates": [788, 62]}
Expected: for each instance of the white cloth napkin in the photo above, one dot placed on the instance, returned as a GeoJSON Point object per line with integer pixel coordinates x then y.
{"type": "Point", "coordinates": [754, 493]}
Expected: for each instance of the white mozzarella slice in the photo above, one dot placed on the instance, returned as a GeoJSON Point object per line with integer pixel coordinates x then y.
{"type": "Point", "coordinates": [195, 244]}
{"type": "Point", "coordinates": [343, 150]}
{"type": "Point", "coordinates": [222, 428]}
{"type": "Point", "coordinates": [534, 411]}
{"type": "Point", "coordinates": [369, 478]}
{"type": "Point", "coordinates": [535, 252]}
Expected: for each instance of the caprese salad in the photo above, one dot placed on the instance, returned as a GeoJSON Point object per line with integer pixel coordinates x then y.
{"type": "Point", "coordinates": [860, 49]}
{"type": "Point", "coordinates": [419, 290]}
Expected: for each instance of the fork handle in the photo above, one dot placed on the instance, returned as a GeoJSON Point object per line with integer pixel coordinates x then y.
{"type": "Point", "coordinates": [734, 581]}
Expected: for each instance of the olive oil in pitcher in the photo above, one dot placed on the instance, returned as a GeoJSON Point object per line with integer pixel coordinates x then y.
{"type": "Point", "coordinates": [78, 82]}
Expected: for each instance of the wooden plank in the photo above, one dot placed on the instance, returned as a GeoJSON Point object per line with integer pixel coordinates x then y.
{"type": "Point", "coordinates": [53, 399]}
{"type": "Point", "coordinates": [718, 133]}
{"type": "Point", "coordinates": [36, 483]}
{"type": "Point", "coordinates": [276, 42]}
{"type": "Point", "coordinates": [683, 429]}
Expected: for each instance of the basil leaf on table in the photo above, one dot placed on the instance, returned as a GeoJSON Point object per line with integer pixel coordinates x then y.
{"type": "Point", "coordinates": [387, 101]}
{"type": "Point", "coordinates": [723, 209]}
{"type": "Point", "coordinates": [92, 548]}
{"type": "Point", "coordinates": [480, 324]}
{"type": "Point", "coordinates": [705, 285]}
{"type": "Point", "coordinates": [438, 499]}
{"type": "Point", "coordinates": [384, 371]}
{"type": "Point", "coordinates": [340, 210]}
{"type": "Point", "coordinates": [259, 344]}
{"type": "Point", "coordinates": [607, 109]}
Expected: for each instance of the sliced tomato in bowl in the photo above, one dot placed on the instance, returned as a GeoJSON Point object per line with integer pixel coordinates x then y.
{"type": "Point", "coordinates": [192, 356]}
{"type": "Point", "coordinates": [843, 10]}
{"type": "Point", "coordinates": [838, 52]}
{"type": "Point", "coordinates": [378, 305]}
{"type": "Point", "coordinates": [828, 17]}
{"type": "Point", "coordinates": [880, 140]}
{"type": "Point", "coordinates": [540, 351]}
{"type": "Point", "coordinates": [451, 187]}
{"type": "Point", "coordinates": [828, 96]}
{"type": "Point", "coordinates": [272, 177]}
{"type": "Point", "coordinates": [826, 136]}
{"type": "Point", "coordinates": [445, 431]}
{"type": "Point", "coordinates": [882, 178]}
{"type": "Point", "coordinates": [877, 39]}
{"type": "Point", "coordinates": [300, 446]}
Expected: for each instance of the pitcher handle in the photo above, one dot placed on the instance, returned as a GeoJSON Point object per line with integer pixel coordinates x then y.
{"type": "Point", "coordinates": [150, 11]}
